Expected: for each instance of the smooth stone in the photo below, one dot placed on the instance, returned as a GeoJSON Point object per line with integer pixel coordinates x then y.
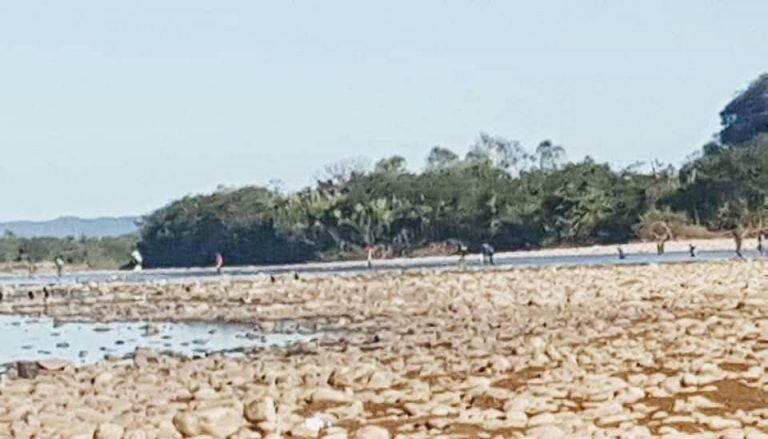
{"type": "Point", "coordinates": [324, 394]}
{"type": "Point", "coordinates": [261, 411]}
{"type": "Point", "coordinates": [372, 432]}
{"type": "Point", "coordinates": [541, 419]}
{"type": "Point", "coordinates": [53, 365]}
{"type": "Point", "coordinates": [719, 423]}
{"type": "Point", "coordinates": [546, 432]}
{"type": "Point", "coordinates": [109, 431]}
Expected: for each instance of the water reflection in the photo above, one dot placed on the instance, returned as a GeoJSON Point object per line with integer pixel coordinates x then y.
{"type": "Point", "coordinates": [24, 338]}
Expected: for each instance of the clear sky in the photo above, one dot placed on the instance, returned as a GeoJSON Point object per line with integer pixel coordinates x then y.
{"type": "Point", "coordinates": [110, 108]}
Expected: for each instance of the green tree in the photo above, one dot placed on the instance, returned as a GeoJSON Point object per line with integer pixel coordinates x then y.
{"type": "Point", "coordinates": [392, 165]}
{"type": "Point", "coordinates": [440, 158]}
{"type": "Point", "coordinates": [746, 116]}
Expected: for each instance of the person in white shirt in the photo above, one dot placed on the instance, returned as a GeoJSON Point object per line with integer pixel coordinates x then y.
{"type": "Point", "coordinates": [136, 260]}
{"type": "Point", "coordinates": [59, 265]}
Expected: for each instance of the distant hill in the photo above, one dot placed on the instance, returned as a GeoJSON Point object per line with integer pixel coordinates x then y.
{"type": "Point", "coordinates": [72, 226]}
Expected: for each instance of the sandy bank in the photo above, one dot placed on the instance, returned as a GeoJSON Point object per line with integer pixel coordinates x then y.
{"type": "Point", "coordinates": [719, 244]}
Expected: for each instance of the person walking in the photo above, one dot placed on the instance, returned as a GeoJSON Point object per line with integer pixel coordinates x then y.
{"type": "Point", "coordinates": [462, 250]}
{"type": "Point", "coordinates": [59, 262]}
{"type": "Point", "coordinates": [137, 261]}
{"type": "Point", "coordinates": [219, 263]}
{"type": "Point", "coordinates": [487, 252]}
{"type": "Point", "coordinates": [738, 238]}
{"type": "Point", "coordinates": [369, 262]}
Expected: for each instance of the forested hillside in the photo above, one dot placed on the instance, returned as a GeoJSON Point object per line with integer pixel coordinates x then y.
{"type": "Point", "coordinates": [498, 192]}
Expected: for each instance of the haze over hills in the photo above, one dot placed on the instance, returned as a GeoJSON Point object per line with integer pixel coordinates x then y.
{"type": "Point", "coordinates": [72, 226]}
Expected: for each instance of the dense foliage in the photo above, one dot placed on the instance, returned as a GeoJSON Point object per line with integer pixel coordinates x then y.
{"type": "Point", "coordinates": [746, 116]}
{"type": "Point", "coordinates": [727, 185]}
{"type": "Point", "coordinates": [499, 192]}
{"type": "Point", "coordinates": [107, 252]}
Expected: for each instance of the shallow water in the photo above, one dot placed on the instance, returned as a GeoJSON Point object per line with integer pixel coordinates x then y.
{"type": "Point", "coordinates": [202, 274]}
{"type": "Point", "coordinates": [25, 338]}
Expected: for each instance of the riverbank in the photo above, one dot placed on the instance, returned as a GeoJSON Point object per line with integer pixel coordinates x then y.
{"type": "Point", "coordinates": [637, 247]}
{"type": "Point", "coordinates": [546, 352]}
{"type": "Point", "coordinates": [45, 267]}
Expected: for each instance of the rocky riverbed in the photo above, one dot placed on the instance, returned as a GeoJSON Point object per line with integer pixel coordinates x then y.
{"type": "Point", "coordinates": [626, 351]}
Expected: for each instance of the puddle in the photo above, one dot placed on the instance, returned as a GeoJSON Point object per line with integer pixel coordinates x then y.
{"type": "Point", "coordinates": [33, 339]}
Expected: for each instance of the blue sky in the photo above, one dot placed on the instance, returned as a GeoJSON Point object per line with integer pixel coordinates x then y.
{"type": "Point", "coordinates": [110, 108]}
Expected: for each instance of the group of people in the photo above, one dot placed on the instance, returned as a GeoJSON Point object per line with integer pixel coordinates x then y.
{"type": "Point", "coordinates": [738, 238]}
{"type": "Point", "coordinates": [461, 249]}
{"type": "Point", "coordinates": [487, 251]}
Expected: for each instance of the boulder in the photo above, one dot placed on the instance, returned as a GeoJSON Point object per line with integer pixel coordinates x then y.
{"type": "Point", "coordinates": [53, 364]}
{"type": "Point", "coordinates": [262, 410]}
{"type": "Point", "coordinates": [109, 431]}
{"type": "Point", "coordinates": [218, 422]}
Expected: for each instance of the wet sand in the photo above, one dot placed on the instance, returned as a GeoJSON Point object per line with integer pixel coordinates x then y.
{"type": "Point", "coordinates": [638, 247]}
{"type": "Point", "coordinates": [47, 269]}
{"type": "Point", "coordinates": [632, 351]}
{"type": "Point", "coordinates": [636, 253]}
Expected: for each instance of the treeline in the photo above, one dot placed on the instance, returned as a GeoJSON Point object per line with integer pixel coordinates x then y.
{"type": "Point", "coordinates": [498, 192]}
{"type": "Point", "coordinates": [107, 252]}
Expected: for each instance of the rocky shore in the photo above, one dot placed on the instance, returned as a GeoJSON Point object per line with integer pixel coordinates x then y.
{"type": "Point", "coordinates": [628, 351]}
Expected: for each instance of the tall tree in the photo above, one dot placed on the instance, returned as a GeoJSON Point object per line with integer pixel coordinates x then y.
{"type": "Point", "coordinates": [440, 158]}
{"type": "Point", "coordinates": [502, 153]}
{"type": "Point", "coordinates": [391, 165]}
{"type": "Point", "coordinates": [549, 155]}
{"type": "Point", "coordinates": [746, 116]}
{"type": "Point", "coordinates": [344, 170]}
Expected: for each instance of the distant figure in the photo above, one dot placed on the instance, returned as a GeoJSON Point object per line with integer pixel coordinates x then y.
{"type": "Point", "coordinates": [272, 278]}
{"type": "Point", "coordinates": [462, 250]}
{"type": "Point", "coordinates": [24, 257]}
{"type": "Point", "coordinates": [760, 248]}
{"type": "Point", "coordinates": [295, 275]}
{"type": "Point", "coordinates": [738, 237]}
{"type": "Point", "coordinates": [370, 258]}
{"type": "Point", "coordinates": [21, 255]}
{"type": "Point", "coordinates": [137, 261]}
{"type": "Point", "coordinates": [59, 265]}
{"type": "Point", "coordinates": [621, 253]}
{"type": "Point", "coordinates": [219, 263]}
{"type": "Point", "coordinates": [487, 251]}
{"type": "Point", "coordinates": [660, 245]}
{"type": "Point", "coordinates": [692, 250]}
{"type": "Point", "coordinates": [661, 233]}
